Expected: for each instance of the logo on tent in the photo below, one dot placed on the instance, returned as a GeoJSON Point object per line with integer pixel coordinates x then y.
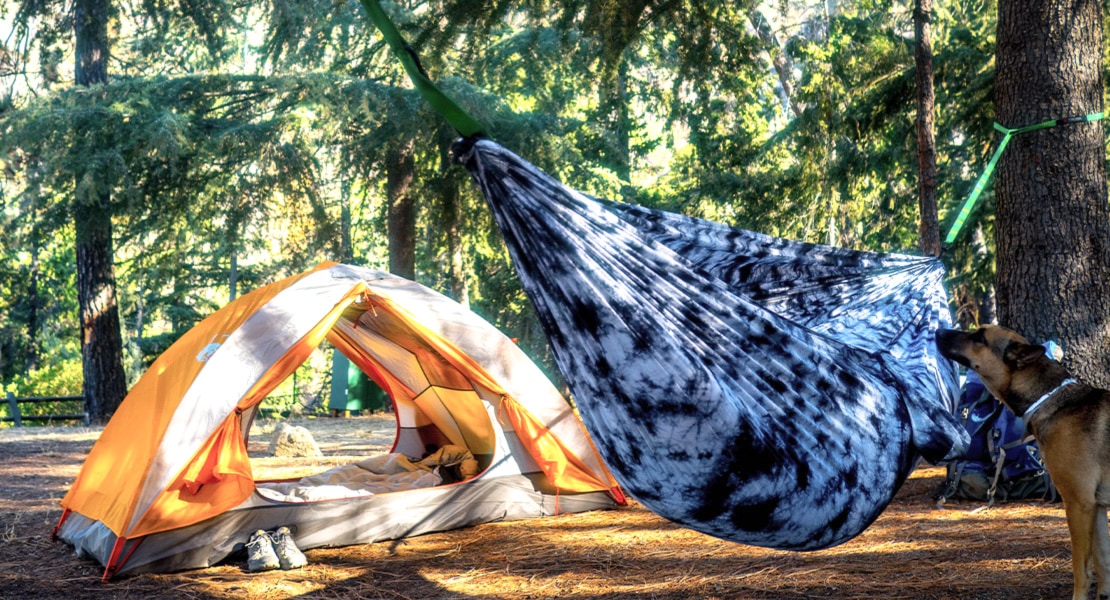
{"type": "Point", "coordinates": [207, 352]}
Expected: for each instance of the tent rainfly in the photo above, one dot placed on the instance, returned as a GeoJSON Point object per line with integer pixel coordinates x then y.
{"type": "Point", "coordinates": [168, 485]}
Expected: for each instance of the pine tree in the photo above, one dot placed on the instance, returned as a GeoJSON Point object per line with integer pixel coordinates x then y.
{"type": "Point", "coordinates": [1053, 223]}
{"type": "Point", "coordinates": [101, 340]}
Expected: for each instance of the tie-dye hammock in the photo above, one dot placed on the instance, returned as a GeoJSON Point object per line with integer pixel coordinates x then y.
{"type": "Point", "coordinates": [756, 389]}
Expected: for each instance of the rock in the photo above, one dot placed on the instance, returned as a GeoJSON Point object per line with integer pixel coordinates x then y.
{"type": "Point", "coordinates": [294, 441]}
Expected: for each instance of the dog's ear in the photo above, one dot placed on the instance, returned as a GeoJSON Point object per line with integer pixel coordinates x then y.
{"type": "Point", "coordinates": [1019, 355]}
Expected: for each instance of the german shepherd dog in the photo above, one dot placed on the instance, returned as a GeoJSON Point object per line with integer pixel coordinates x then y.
{"type": "Point", "coordinates": [1071, 422]}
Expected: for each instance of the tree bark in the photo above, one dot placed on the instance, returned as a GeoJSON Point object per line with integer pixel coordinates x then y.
{"type": "Point", "coordinates": [101, 345]}
{"type": "Point", "coordinates": [34, 303]}
{"type": "Point", "coordinates": [346, 249]}
{"type": "Point", "coordinates": [105, 384]}
{"type": "Point", "coordinates": [1053, 222]}
{"type": "Point", "coordinates": [613, 107]}
{"type": "Point", "coordinates": [90, 25]}
{"type": "Point", "coordinates": [401, 225]}
{"type": "Point", "coordinates": [926, 141]}
{"type": "Point", "coordinates": [233, 274]}
{"type": "Point", "coordinates": [448, 184]}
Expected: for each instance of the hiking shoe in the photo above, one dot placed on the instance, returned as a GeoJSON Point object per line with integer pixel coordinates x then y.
{"type": "Point", "coordinates": [260, 553]}
{"type": "Point", "coordinates": [288, 553]}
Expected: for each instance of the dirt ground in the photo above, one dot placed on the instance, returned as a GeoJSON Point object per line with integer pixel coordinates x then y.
{"type": "Point", "coordinates": [914, 551]}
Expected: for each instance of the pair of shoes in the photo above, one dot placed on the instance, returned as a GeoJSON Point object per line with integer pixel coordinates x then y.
{"type": "Point", "coordinates": [268, 551]}
{"type": "Point", "coordinates": [260, 553]}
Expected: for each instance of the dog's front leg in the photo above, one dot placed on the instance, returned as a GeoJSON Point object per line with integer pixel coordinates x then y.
{"type": "Point", "coordinates": [1100, 555]}
{"type": "Point", "coordinates": [1081, 524]}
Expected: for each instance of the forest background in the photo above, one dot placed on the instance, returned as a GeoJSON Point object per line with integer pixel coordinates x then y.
{"type": "Point", "coordinates": [235, 143]}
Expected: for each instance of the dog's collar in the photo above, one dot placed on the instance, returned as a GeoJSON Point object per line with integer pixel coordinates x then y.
{"type": "Point", "coordinates": [1028, 414]}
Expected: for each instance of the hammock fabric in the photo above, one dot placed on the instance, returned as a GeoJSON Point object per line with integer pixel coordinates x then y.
{"type": "Point", "coordinates": [756, 389]}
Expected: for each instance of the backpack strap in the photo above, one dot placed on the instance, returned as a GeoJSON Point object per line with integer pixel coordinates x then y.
{"type": "Point", "coordinates": [951, 482]}
{"type": "Point", "coordinates": [997, 473]}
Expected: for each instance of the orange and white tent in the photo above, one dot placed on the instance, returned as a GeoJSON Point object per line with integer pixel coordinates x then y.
{"type": "Point", "coordinates": [168, 485]}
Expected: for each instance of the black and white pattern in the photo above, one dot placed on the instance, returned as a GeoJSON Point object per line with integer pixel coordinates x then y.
{"type": "Point", "coordinates": [760, 390]}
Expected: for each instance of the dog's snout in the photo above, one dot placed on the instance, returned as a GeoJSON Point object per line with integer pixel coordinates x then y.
{"type": "Point", "coordinates": [947, 342]}
{"type": "Point", "coordinates": [946, 337]}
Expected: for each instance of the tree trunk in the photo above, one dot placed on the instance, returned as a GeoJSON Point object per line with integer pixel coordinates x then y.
{"type": "Point", "coordinates": [90, 27]}
{"type": "Point", "coordinates": [1053, 223]}
{"type": "Point", "coordinates": [926, 142]}
{"type": "Point", "coordinates": [399, 171]}
{"type": "Point", "coordinates": [614, 103]}
{"type": "Point", "coordinates": [101, 345]}
{"type": "Point", "coordinates": [618, 26]}
{"type": "Point", "coordinates": [346, 249]}
{"type": "Point", "coordinates": [452, 200]}
{"type": "Point", "coordinates": [781, 62]}
{"type": "Point", "coordinates": [180, 321]}
{"type": "Point", "coordinates": [105, 384]}
{"type": "Point", "coordinates": [233, 275]}
{"type": "Point", "coordinates": [34, 303]}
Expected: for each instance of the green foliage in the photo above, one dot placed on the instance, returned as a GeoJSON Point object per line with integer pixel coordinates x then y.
{"type": "Point", "coordinates": [307, 389]}
{"type": "Point", "coordinates": [59, 375]}
{"type": "Point", "coordinates": [38, 298]}
{"type": "Point", "coordinates": [234, 137]}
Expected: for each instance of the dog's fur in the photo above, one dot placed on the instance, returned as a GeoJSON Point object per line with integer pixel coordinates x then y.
{"type": "Point", "coordinates": [1072, 428]}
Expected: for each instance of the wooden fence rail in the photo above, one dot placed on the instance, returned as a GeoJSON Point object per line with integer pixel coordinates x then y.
{"type": "Point", "coordinates": [18, 419]}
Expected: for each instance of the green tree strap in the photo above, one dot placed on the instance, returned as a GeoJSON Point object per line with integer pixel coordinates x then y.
{"type": "Point", "coordinates": [466, 125]}
{"type": "Point", "coordinates": [982, 183]}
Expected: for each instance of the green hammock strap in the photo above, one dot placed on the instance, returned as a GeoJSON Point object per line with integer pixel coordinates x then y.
{"type": "Point", "coordinates": [466, 125]}
{"type": "Point", "coordinates": [982, 182]}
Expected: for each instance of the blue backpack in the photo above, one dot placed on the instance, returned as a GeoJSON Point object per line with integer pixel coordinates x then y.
{"type": "Point", "coordinates": [1001, 463]}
